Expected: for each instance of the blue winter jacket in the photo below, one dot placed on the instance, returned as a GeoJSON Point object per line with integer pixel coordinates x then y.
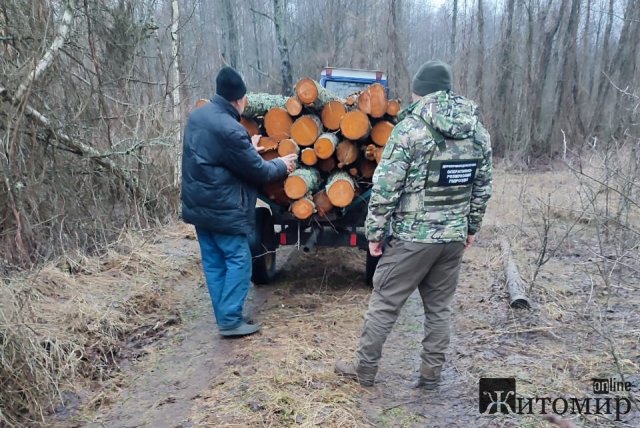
{"type": "Point", "coordinates": [221, 170]}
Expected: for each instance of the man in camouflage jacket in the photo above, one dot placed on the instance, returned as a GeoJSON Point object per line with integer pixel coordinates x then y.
{"type": "Point", "coordinates": [430, 192]}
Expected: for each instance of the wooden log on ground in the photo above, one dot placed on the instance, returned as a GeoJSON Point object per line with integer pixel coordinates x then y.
{"type": "Point", "coordinates": [393, 107]}
{"type": "Point", "coordinates": [311, 94]}
{"type": "Point", "coordinates": [259, 104]}
{"type": "Point", "coordinates": [323, 204]}
{"type": "Point", "coordinates": [308, 156]}
{"type": "Point", "coordinates": [373, 101]}
{"type": "Point", "coordinates": [327, 165]}
{"type": "Point", "coordinates": [277, 123]}
{"type": "Point", "coordinates": [293, 106]}
{"type": "Point", "coordinates": [288, 147]}
{"type": "Point", "coordinates": [341, 189]}
{"type": "Point", "coordinates": [275, 192]}
{"type": "Point", "coordinates": [347, 153]}
{"type": "Point", "coordinates": [303, 208]}
{"type": "Point", "coordinates": [373, 153]}
{"type": "Point", "coordinates": [331, 115]}
{"type": "Point", "coordinates": [326, 145]}
{"type": "Point", "coordinates": [380, 132]}
{"type": "Point", "coordinates": [515, 285]}
{"type": "Point", "coordinates": [250, 125]}
{"type": "Point", "coordinates": [302, 181]}
{"type": "Point", "coordinates": [306, 130]}
{"type": "Point", "coordinates": [355, 125]}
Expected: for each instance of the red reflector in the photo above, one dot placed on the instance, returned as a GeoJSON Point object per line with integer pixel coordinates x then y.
{"type": "Point", "coordinates": [283, 238]}
{"type": "Point", "coordinates": [353, 240]}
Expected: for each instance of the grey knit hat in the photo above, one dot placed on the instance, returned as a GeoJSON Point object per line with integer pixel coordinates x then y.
{"type": "Point", "coordinates": [432, 76]}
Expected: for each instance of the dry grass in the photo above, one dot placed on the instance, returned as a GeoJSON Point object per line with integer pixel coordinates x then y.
{"type": "Point", "coordinates": [67, 325]}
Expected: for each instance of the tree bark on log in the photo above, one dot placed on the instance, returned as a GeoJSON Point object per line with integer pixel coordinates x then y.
{"type": "Point", "coordinates": [306, 130]}
{"type": "Point", "coordinates": [355, 125]}
{"type": "Point", "coordinates": [347, 153]}
{"type": "Point", "coordinates": [303, 208]}
{"type": "Point", "coordinates": [515, 285]}
{"type": "Point", "coordinates": [326, 145]}
{"type": "Point", "coordinates": [341, 189]}
{"type": "Point", "coordinates": [258, 104]}
{"type": "Point", "coordinates": [301, 182]}
{"type": "Point", "coordinates": [278, 123]}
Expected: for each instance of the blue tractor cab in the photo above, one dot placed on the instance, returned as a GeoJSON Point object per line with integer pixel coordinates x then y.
{"type": "Point", "coordinates": [346, 81]}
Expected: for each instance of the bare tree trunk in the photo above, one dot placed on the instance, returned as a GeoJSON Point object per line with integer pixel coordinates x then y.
{"type": "Point", "coordinates": [603, 87]}
{"type": "Point", "coordinates": [256, 40]}
{"type": "Point", "coordinates": [505, 81]}
{"type": "Point", "coordinates": [479, 68]}
{"type": "Point", "coordinates": [401, 74]}
{"type": "Point", "coordinates": [279, 13]}
{"type": "Point", "coordinates": [232, 33]}
{"type": "Point", "coordinates": [454, 24]}
{"type": "Point", "coordinates": [175, 93]}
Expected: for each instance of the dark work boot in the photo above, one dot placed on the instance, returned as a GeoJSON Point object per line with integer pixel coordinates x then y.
{"type": "Point", "coordinates": [351, 370]}
{"type": "Point", "coordinates": [429, 378]}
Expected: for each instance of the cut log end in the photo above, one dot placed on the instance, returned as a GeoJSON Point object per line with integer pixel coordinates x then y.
{"type": "Point", "coordinates": [308, 157]}
{"type": "Point", "coordinates": [293, 106]}
{"type": "Point", "coordinates": [332, 114]}
{"type": "Point", "coordinates": [323, 204]}
{"type": "Point", "coordinates": [325, 146]}
{"type": "Point", "coordinates": [303, 208]}
{"type": "Point", "coordinates": [347, 153]}
{"type": "Point", "coordinates": [295, 187]}
{"type": "Point", "coordinates": [367, 168]}
{"type": "Point", "coordinates": [341, 193]}
{"type": "Point", "coordinates": [355, 125]}
{"type": "Point", "coordinates": [327, 165]}
{"type": "Point", "coordinates": [305, 130]}
{"type": "Point", "coordinates": [380, 132]}
{"type": "Point", "coordinates": [277, 123]}
{"type": "Point", "coordinates": [288, 147]}
{"type": "Point", "coordinates": [393, 107]}
{"type": "Point", "coordinates": [306, 90]}
{"type": "Point", "coordinates": [268, 143]}
{"type": "Point", "coordinates": [250, 125]}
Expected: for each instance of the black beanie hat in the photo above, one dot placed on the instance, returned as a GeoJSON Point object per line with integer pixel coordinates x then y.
{"type": "Point", "coordinates": [433, 76]}
{"type": "Point", "coordinates": [229, 84]}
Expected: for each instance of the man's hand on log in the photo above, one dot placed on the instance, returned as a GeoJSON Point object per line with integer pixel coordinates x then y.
{"type": "Point", "coordinates": [470, 239]}
{"type": "Point", "coordinates": [255, 140]}
{"type": "Point", "coordinates": [375, 248]}
{"type": "Point", "coordinates": [290, 162]}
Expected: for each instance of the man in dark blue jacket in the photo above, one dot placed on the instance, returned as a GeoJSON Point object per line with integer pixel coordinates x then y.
{"type": "Point", "coordinates": [221, 170]}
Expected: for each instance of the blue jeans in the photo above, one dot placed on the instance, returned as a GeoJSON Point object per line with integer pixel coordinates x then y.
{"type": "Point", "coordinates": [226, 262]}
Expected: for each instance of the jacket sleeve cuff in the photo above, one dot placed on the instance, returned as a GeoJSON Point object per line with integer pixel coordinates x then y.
{"type": "Point", "coordinates": [282, 167]}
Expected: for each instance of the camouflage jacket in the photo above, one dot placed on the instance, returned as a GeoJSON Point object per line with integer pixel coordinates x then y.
{"type": "Point", "coordinates": [434, 180]}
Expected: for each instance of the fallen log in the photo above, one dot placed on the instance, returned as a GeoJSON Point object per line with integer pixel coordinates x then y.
{"type": "Point", "coordinates": [258, 104]}
{"type": "Point", "coordinates": [268, 143]}
{"type": "Point", "coordinates": [277, 123]}
{"type": "Point", "coordinates": [311, 94]}
{"type": "Point", "coordinates": [355, 125]}
{"type": "Point", "coordinates": [301, 182]}
{"type": "Point", "coordinates": [393, 107]}
{"type": "Point", "coordinates": [306, 130]}
{"type": "Point", "coordinates": [380, 132]}
{"type": "Point", "coordinates": [515, 285]}
{"type": "Point", "coordinates": [341, 189]}
{"type": "Point", "coordinates": [326, 145]}
{"type": "Point", "coordinates": [250, 125]}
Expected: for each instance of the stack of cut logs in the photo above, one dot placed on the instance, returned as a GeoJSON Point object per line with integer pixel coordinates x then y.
{"type": "Point", "coordinates": [339, 143]}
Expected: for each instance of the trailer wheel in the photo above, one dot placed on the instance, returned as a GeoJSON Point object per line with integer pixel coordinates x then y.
{"type": "Point", "coordinates": [372, 263]}
{"type": "Point", "coordinates": [263, 249]}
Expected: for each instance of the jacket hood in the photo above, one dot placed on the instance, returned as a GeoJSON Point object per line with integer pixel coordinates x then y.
{"type": "Point", "coordinates": [452, 115]}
